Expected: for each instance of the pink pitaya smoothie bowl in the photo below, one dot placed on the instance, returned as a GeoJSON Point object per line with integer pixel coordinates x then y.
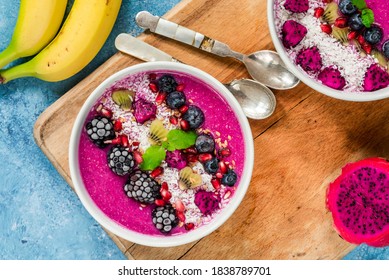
{"type": "Point", "coordinates": [160, 240]}
{"type": "Point", "coordinates": [313, 83]}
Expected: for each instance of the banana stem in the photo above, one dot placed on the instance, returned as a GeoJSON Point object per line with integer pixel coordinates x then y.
{"type": "Point", "coordinates": [7, 56]}
{"type": "Point", "coordinates": [22, 70]}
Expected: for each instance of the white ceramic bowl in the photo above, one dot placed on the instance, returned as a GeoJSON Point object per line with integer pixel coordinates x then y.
{"type": "Point", "coordinates": [350, 96]}
{"type": "Point", "coordinates": [160, 241]}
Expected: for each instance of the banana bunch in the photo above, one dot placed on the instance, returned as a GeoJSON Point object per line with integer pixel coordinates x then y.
{"type": "Point", "coordinates": [80, 38]}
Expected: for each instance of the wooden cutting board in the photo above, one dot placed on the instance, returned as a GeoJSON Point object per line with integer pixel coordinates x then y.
{"type": "Point", "coordinates": [298, 150]}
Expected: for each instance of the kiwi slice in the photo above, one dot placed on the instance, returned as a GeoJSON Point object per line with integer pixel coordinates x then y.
{"type": "Point", "coordinates": [158, 133]}
{"type": "Point", "coordinates": [189, 179]}
{"type": "Point", "coordinates": [123, 98]}
{"type": "Point", "coordinates": [380, 58]}
{"type": "Point", "coordinates": [331, 13]}
{"type": "Point", "coordinates": [340, 34]}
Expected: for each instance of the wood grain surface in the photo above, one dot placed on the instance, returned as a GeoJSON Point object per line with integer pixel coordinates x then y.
{"type": "Point", "coordinates": [298, 150]}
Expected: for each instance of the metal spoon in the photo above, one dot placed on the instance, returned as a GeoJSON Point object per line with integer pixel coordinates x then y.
{"type": "Point", "coordinates": [264, 66]}
{"type": "Point", "coordinates": [256, 100]}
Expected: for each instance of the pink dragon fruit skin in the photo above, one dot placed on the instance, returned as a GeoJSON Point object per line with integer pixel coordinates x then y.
{"type": "Point", "coordinates": [297, 6]}
{"type": "Point", "coordinates": [144, 110]}
{"type": "Point", "coordinates": [175, 159]}
{"type": "Point", "coordinates": [375, 78]}
{"type": "Point", "coordinates": [309, 59]}
{"type": "Point", "coordinates": [292, 33]}
{"type": "Point", "coordinates": [359, 202]}
{"type": "Point", "coordinates": [331, 77]}
{"type": "Point", "coordinates": [207, 202]}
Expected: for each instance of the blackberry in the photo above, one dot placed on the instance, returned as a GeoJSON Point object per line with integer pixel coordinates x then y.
{"type": "Point", "coordinates": [175, 99]}
{"type": "Point", "coordinates": [355, 22]}
{"type": "Point", "coordinates": [205, 143]}
{"type": "Point", "coordinates": [229, 179]}
{"type": "Point", "coordinates": [167, 84]}
{"type": "Point", "coordinates": [194, 116]}
{"type": "Point", "coordinates": [100, 129]}
{"type": "Point", "coordinates": [211, 166]}
{"type": "Point", "coordinates": [120, 160]}
{"type": "Point", "coordinates": [373, 35]}
{"type": "Point", "coordinates": [385, 49]}
{"type": "Point", "coordinates": [164, 218]}
{"type": "Point", "coordinates": [347, 8]}
{"type": "Point", "coordinates": [141, 187]}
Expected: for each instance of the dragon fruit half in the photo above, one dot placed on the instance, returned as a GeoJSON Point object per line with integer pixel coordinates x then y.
{"type": "Point", "coordinates": [331, 77]}
{"type": "Point", "coordinates": [292, 33]}
{"type": "Point", "coordinates": [309, 59]}
{"type": "Point", "coordinates": [175, 159]}
{"type": "Point", "coordinates": [207, 202]}
{"type": "Point", "coordinates": [375, 78]}
{"type": "Point", "coordinates": [297, 6]}
{"type": "Point", "coordinates": [359, 202]}
{"type": "Point", "coordinates": [144, 110]}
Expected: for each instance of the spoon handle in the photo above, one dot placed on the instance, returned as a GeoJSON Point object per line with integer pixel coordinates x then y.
{"type": "Point", "coordinates": [184, 35]}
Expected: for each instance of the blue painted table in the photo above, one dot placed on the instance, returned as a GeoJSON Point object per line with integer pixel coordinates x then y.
{"type": "Point", "coordinates": [40, 216]}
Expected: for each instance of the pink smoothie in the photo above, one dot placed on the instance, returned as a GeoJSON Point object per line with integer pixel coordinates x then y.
{"type": "Point", "coordinates": [381, 16]}
{"type": "Point", "coordinates": [106, 188]}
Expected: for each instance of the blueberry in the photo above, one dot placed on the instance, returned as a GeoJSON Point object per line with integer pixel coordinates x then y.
{"type": "Point", "coordinates": [211, 166]}
{"type": "Point", "coordinates": [355, 22]}
{"type": "Point", "coordinates": [229, 179]}
{"type": "Point", "coordinates": [194, 116]}
{"type": "Point", "coordinates": [373, 35]}
{"type": "Point", "coordinates": [347, 8]}
{"type": "Point", "coordinates": [175, 99]}
{"type": "Point", "coordinates": [205, 143]}
{"type": "Point", "coordinates": [167, 83]}
{"type": "Point", "coordinates": [385, 49]}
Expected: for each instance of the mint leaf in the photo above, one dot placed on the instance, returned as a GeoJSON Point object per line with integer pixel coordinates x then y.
{"type": "Point", "coordinates": [178, 139]}
{"type": "Point", "coordinates": [153, 157]}
{"type": "Point", "coordinates": [360, 4]}
{"type": "Point", "coordinates": [367, 17]}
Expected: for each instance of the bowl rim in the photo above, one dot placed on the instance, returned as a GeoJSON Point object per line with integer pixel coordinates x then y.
{"type": "Point", "coordinates": [338, 94]}
{"type": "Point", "coordinates": [144, 239]}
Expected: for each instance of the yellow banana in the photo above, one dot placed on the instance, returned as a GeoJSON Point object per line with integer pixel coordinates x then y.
{"type": "Point", "coordinates": [37, 24]}
{"type": "Point", "coordinates": [82, 35]}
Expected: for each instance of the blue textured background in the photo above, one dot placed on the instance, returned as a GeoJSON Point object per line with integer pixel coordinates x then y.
{"type": "Point", "coordinates": [40, 216]}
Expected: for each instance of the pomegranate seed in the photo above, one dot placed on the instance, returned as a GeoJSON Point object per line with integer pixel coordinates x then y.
{"type": "Point", "coordinates": [152, 76]}
{"type": "Point", "coordinates": [190, 150]}
{"type": "Point", "coordinates": [183, 109]}
{"type": "Point", "coordinates": [160, 202]}
{"type": "Point", "coordinates": [326, 28]}
{"type": "Point", "coordinates": [156, 172]}
{"type": "Point", "coordinates": [225, 152]}
{"type": "Point", "coordinates": [184, 125]}
{"type": "Point", "coordinates": [106, 113]}
{"type": "Point", "coordinates": [223, 167]}
{"type": "Point", "coordinates": [166, 195]}
{"type": "Point", "coordinates": [361, 40]}
{"type": "Point", "coordinates": [160, 98]}
{"type": "Point", "coordinates": [164, 186]}
{"type": "Point", "coordinates": [116, 141]}
{"type": "Point", "coordinates": [124, 140]}
{"type": "Point", "coordinates": [180, 87]}
{"type": "Point", "coordinates": [341, 22]}
{"type": "Point", "coordinates": [189, 226]}
{"type": "Point", "coordinates": [352, 35]}
{"type": "Point", "coordinates": [181, 216]}
{"type": "Point", "coordinates": [219, 175]}
{"type": "Point", "coordinates": [318, 12]}
{"type": "Point", "coordinates": [216, 183]}
{"type": "Point", "coordinates": [153, 87]}
{"type": "Point", "coordinates": [117, 126]}
{"type": "Point", "coordinates": [191, 158]}
{"type": "Point", "coordinates": [135, 144]}
{"type": "Point", "coordinates": [205, 157]}
{"type": "Point", "coordinates": [138, 157]}
{"type": "Point", "coordinates": [367, 48]}
{"type": "Point", "coordinates": [173, 120]}
{"type": "Point", "coordinates": [180, 207]}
